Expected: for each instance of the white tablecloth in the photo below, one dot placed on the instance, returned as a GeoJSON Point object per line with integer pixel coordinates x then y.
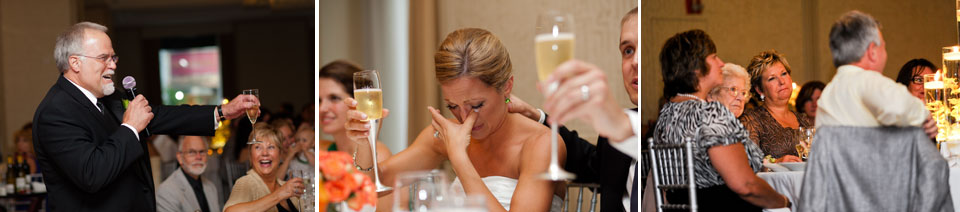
{"type": "Point", "coordinates": [789, 184]}
{"type": "Point", "coordinates": [786, 183]}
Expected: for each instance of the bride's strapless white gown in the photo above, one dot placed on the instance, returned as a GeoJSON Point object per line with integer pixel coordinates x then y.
{"type": "Point", "coordinates": [502, 188]}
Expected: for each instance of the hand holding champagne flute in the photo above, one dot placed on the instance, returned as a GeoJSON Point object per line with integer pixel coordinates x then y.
{"type": "Point", "coordinates": [253, 112]}
{"type": "Point", "coordinates": [553, 45]}
{"type": "Point", "coordinates": [369, 97]}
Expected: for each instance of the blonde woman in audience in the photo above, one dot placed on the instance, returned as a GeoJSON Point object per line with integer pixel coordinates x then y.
{"type": "Point", "coordinates": [262, 189]}
{"type": "Point", "coordinates": [772, 123]}
{"type": "Point", "coordinates": [735, 90]}
{"type": "Point", "coordinates": [24, 143]}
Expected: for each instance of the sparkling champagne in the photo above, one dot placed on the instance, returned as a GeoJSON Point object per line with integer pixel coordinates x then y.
{"type": "Point", "coordinates": [551, 51]}
{"type": "Point", "coordinates": [370, 102]}
{"type": "Point", "coordinates": [253, 113]}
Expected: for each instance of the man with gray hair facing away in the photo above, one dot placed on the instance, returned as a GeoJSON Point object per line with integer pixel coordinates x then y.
{"type": "Point", "coordinates": [872, 150]}
{"type": "Point", "coordinates": [185, 189]}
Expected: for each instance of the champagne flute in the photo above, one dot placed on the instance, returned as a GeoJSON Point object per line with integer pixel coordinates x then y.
{"type": "Point", "coordinates": [254, 112]}
{"type": "Point", "coordinates": [306, 195]}
{"type": "Point", "coordinates": [553, 45]}
{"type": "Point", "coordinates": [369, 97]}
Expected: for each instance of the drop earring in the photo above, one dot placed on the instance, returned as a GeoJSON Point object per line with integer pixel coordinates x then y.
{"type": "Point", "coordinates": [508, 100]}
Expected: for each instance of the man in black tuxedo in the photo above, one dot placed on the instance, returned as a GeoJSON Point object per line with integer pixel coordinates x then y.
{"type": "Point", "coordinates": [89, 146]}
{"type": "Point", "coordinates": [583, 93]}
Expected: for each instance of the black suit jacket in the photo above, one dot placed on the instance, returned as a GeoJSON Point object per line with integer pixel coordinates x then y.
{"type": "Point", "coordinates": [92, 163]}
{"type": "Point", "coordinates": [601, 164]}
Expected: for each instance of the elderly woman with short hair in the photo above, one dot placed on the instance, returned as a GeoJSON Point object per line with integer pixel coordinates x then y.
{"type": "Point", "coordinates": [735, 90]}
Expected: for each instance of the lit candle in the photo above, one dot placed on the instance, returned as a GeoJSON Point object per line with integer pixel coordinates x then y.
{"type": "Point", "coordinates": [953, 54]}
{"type": "Point", "coordinates": [936, 83]}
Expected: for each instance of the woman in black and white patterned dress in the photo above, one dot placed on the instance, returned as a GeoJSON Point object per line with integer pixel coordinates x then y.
{"type": "Point", "coordinates": [725, 160]}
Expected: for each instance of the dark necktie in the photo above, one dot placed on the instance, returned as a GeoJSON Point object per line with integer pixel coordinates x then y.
{"type": "Point", "coordinates": [633, 194]}
{"type": "Point", "coordinates": [100, 106]}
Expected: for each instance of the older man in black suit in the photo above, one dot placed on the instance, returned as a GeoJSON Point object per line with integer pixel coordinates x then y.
{"type": "Point", "coordinates": [89, 146]}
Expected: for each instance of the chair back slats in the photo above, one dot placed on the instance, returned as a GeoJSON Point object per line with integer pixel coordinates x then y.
{"type": "Point", "coordinates": [672, 167]}
{"type": "Point", "coordinates": [580, 187]}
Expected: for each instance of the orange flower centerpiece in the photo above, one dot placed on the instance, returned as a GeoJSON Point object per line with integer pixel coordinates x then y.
{"type": "Point", "coordinates": [339, 181]}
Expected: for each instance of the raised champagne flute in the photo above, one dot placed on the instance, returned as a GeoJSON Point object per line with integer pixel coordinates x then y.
{"type": "Point", "coordinates": [369, 96]}
{"type": "Point", "coordinates": [254, 112]}
{"type": "Point", "coordinates": [553, 45]}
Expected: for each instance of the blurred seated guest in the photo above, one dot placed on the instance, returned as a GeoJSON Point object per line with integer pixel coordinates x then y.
{"type": "Point", "coordinates": [304, 159]}
{"type": "Point", "coordinates": [335, 84]}
{"type": "Point", "coordinates": [911, 75]}
{"type": "Point", "coordinates": [265, 115]}
{"type": "Point", "coordinates": [284, 127]}
{"type": "Point", "coordinates": [735, 90]}
{"type": "Point", "coordinates": [725, 160]}
{"type": "Point", "coordinates": [261, 189]}
{"type": "Point", "coordinates": [806, 102]}
{"type": "Point", "coordinates": [24, 142]}
{"type": "Point", "coordinates": [873, 153]}
{"type": "Point", "coordinates": [166, 150]}
{"type": "Point", "coordinates": [772, 124]}
{"type": "Point", "coordinates": [185, 189]}
{"type": "Point", "coordinates": [306, 116]}
{"type": "Point", "coordinates": [495, 154]}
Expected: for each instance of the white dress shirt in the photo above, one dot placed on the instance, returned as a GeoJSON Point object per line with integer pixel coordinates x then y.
{"type": "Point", "coordinates": [858, 97]}
{"type": "Point", "coordinates": [629, 146]}
{"type": "Point", "coordinates": [93, 100]}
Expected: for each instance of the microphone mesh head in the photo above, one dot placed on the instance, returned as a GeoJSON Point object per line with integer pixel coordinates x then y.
{"type": "Point", "coordinates": [129, 82]}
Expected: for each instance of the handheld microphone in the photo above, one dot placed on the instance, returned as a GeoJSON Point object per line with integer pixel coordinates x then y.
{"type": "Point", "coordinates": [130, 85]}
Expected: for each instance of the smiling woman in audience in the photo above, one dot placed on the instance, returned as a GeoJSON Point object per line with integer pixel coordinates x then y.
{"type": "Point", "coordinates": [911, 75]}
{"type": "Point", "coordinates": [261, 189]}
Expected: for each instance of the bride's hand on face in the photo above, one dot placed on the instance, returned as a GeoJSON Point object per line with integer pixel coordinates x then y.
{"type": "Point", "coordinates": [358, 129]}
{"type": "Point", "coordinates": [455, 136]}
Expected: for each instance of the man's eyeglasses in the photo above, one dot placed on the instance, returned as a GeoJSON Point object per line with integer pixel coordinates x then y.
{"type": "Point", "coordinates": [917, 80]}
{"type": "Point", "coordinates": [105, 58]}
{"type": "Point", "coordinates": [736, 91]}
{"type": "Point", "coordinates": [193, 153]}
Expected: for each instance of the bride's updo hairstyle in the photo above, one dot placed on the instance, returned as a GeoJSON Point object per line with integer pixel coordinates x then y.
{"type": "Point", "coordinates": [473, 52]}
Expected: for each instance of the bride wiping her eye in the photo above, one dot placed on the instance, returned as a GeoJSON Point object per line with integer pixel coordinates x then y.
{"type": "Point", "coordinates": [495, 154]}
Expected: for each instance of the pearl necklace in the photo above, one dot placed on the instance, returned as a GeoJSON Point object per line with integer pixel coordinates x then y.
{"type": "Point", "coordinates": [690, 95]}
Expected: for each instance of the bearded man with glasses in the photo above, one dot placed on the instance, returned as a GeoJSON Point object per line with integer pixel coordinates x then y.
{"type": "Point", "coordinates": [185, 189]}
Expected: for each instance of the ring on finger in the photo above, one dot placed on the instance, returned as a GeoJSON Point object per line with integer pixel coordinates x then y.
{"type": "Point", "coordinates": [584, 92]}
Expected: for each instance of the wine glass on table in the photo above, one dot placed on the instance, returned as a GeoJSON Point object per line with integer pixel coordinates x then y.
{"type": "Point", "coordinates": [253, 113]}
{"type": "Point", "coordinates": [553, 45]}
{"type": "Point", "coordinates": [369, 97]}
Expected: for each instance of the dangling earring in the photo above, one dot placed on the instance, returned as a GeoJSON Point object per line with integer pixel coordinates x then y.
{"type": "Point", "coordinates": [761, 97]}
{"type": "Point", "coordinates": [508, 100]}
